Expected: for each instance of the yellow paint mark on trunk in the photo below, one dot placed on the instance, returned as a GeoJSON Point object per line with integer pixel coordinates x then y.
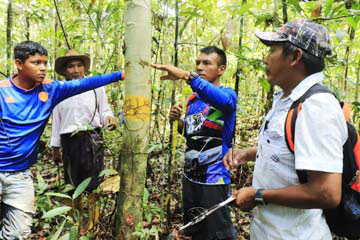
{"type": "Point", "coordinates": [137, 108]}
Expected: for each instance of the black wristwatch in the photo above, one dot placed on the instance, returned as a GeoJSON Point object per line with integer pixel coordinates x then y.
{"type": "Point", "coordinates": [192, 76]}
{"type": "Point", "coordinates": [259, 198]}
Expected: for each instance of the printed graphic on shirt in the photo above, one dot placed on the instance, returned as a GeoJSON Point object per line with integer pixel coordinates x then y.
{"type": "Point", "coordinates": [194, 122]}
{"type": "Point", "coordinates": [43, 96]}
{"type": "Point", "coordinates": [10, 99]}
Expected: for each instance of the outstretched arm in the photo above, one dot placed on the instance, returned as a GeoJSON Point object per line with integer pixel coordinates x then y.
{"type": "Point", "coordinates": [70, 88]}
{"type": "Point", "coordinates": [223, 99]}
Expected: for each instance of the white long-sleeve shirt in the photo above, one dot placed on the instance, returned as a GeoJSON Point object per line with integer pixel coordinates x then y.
{"type": "Point", "coordinates": [79, 110]}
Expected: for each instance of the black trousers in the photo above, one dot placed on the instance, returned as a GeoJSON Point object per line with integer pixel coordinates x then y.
{"type": "Point", "coordinates": [216, 226]}
{"type": "Point", "coordinates": [83, 157]}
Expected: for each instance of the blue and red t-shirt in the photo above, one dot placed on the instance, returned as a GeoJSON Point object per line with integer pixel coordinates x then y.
{"type": "Point", "coordinates": [24, 114]}
{"type": "Point", "coordinates": [209, 124]}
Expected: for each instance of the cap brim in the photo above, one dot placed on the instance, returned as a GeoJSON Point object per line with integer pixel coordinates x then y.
{"type": "Point", "coordinates": [61, 61]}
{"type": "Point", "coordinates": [268, 38]}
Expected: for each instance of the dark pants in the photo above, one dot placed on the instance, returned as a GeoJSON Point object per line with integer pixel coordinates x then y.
{"type": "Point", "coordinates": [83, 157]}
{"type": "Point", "coordinates": [216, 226]}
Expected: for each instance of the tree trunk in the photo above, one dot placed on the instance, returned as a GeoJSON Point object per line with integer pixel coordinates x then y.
{"type": "Point", "coordinates": [173, 124]}
{"type": "Point", "coordinates": [8, 38]}
{"type": "Point", "coordinates": [238, 66]}
{"type": "Point", "coordinates": [284, 8]}
{"type": "Point", "coordinates": [357, 83]}
{"type": "Point", "coordinates": [27, 32]}
{"type": "Point", "coordinates": [351, 31]}
{"type": "Point", "coordinates": [137, 117]}
{"type": "Point", "coordinates": [275, 24]}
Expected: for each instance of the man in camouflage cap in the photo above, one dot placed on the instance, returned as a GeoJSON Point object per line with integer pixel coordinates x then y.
{"type": "Point", "coordinates": [283, 207]}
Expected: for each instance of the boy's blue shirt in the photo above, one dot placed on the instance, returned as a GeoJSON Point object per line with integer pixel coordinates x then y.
{"type": "Point", "coordinates": [24, 114]}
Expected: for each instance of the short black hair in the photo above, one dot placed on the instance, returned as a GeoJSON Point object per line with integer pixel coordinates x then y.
{"type": "Point", "coordinates": [24, 49]}
{"type": "Point", "coordinates": [312, 63]}
{"type": "Point", "coordinates": [218, 51]}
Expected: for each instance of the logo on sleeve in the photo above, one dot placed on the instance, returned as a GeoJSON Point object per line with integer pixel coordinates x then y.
{"type": "Point", "coordinates": [10, 99]}
{"type": "Point", "coordinates": [43, 96]}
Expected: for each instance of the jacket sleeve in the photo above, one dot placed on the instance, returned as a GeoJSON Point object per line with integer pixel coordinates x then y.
{"type": "Point", "coordinates": [70, 88]}
{"type": "Point", "coordinates": [224, 99]}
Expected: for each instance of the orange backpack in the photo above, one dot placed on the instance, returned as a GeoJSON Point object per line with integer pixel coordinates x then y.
{"type": "Point", "coordinates": [345, 219]}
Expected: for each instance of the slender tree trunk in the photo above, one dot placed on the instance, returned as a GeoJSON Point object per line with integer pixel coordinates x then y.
{"type": "Point", "coordinates": [351, 31]}
{"type": "Point", "coordinates": [284, 8]}
{"type": "Point", "coordinates": [8, 38]}
{"type": "Point", "coordinates": [55, 43]}
{"type": "Point", "coordinates": [357, 82]}
{"type": "Point", "coordinates": [347, 55]}
{"type": "Point", "coordinates": [27, 32]}
{"type": "Point", "coordinates": [238, 66]}
{"type": "Point", "coordinates": [275, 24]}
{"type": "Point", "coordinates": [173, 124]}
{"type": "Point", "coordinates": [137, 117]}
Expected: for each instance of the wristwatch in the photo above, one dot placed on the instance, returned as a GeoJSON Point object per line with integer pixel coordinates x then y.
{"type": "Point", "coordinates": [192, 76]}
{"type": "Point", "coordinates": [259, 198]}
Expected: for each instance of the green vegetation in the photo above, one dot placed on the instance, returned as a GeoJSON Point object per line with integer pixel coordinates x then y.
{"type": "Point", "coordinates": [98, 29]}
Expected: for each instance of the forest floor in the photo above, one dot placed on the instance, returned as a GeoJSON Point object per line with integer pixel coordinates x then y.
{"type": "Point", "coordinates": [48, 178]}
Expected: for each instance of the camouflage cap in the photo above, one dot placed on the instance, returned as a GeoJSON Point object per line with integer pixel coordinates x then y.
{"type": "Point", "coordinates": [303, 33]}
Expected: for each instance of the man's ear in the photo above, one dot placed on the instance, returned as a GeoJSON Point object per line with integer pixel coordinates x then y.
{"type": "Point", "coordinates": [18, 64]}
{"type": "Point", "coordinates": [221, 69]}
{"type": "Point", "coordinates": [296, 57]}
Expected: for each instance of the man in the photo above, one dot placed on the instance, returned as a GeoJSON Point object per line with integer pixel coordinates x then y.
{"type": "Point", "coordinates": [27, 100]}
{"type": "Point", "coordinates": [83, 151]}
{"type": "Point", "coordinates": [208, 127]}
{"type": "Point", "coordinates": [285, 208]}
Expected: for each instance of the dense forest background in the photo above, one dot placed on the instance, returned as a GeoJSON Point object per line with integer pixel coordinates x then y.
{"type": "Point", "coordinates": [179, 30]}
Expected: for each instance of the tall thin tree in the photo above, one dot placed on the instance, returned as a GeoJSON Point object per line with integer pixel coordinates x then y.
{"type": "Point", "coordinates": [137, 117]}
{"type": "Point", "coordinates": [173, 124]}
{"type": "Point", "coordinates": [351, 32]}
{"type": "Point", "coordinates": [275, 23]}
{"type": "Point", "coordinates": [8, 37]}
{"type": "Point", "coordinates": [284, 8]}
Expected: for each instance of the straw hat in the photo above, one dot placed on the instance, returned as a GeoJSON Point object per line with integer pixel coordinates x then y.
{"type": "Point", "coordinates": [60, 62]}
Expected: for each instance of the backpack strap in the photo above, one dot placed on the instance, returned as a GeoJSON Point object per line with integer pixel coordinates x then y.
{"type": "Point", "coordinates": [346, 110]}
{"type": "Point", "coordinates": [191, 100]}
{"type": "Point", "coordinates": [291, 121]}
{"type": "Point", "coordinates": [354, 146]}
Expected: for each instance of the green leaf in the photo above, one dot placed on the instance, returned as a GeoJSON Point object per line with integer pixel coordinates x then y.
{"type": "Point", "coordinates": [56, 211]}
{"type": "Point", "coordinates": [146, 197]}
{"type": "Point", "coordinates": [74, 232]}
{"type": "Point", "coordinates": [81, 188]}
{"type": "Point", "coordinates": [154, 88]}
{"type": "Point", "coordinates": [265, 84]}
{"type": "Point", "coordinates": [42, 185]}
{"type": "Point", "coordinates": [62, 195]}
{"type": "Point", "coordinates": [58, 232]}
{"type": "Point", "coordinates": [108, 172]}
{"type": "Point", "coordinates": [66, 236]}
{"type": "Point", "coordinates": [295, 4]}
{"type": "Point", "coordinates": [262, 18]}
{"type": "Point", "coordinates": [84, 238]}
{"type": "Point", "coordinates": [351, 21]}
{"type": "Point", "coordinates": [245, 9]}
{"type": "Point", "coordinates": [328, 7]}
{"type": "Point", "coordinates": [337, 11]}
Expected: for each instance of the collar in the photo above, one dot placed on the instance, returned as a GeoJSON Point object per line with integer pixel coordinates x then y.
{"type": "Point", "coordinates": [20, 88]}
{"type": "Point", "coordinates": [303, 86]}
